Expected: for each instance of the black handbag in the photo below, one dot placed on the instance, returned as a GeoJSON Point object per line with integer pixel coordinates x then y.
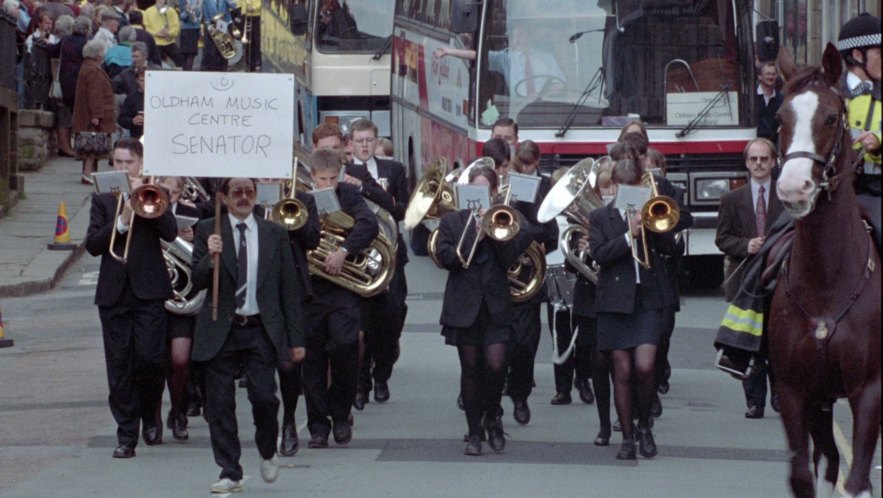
{"type": "Point", "coordinates": [92, 143]}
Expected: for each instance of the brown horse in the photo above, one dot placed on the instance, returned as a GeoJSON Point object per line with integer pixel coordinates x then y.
{"type": "Point", "coordinates": [824, 326]}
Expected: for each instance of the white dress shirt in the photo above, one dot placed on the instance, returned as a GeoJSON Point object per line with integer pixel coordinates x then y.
{"type": "Point", "coordinates": [251, 233]}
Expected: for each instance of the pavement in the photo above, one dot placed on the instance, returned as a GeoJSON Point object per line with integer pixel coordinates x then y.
{"type": "Point", "coordinates": [27, 266]}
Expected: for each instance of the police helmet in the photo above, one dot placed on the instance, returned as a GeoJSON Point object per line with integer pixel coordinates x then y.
{"type": "Point", "coordinates": [861, 32]}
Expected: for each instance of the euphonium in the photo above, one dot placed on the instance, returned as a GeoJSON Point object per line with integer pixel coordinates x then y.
{"type": "Point", "coordinates": [432, 197]}
{"type": "Point", "coordinates": [367, 273]}
{"type": "Point", "coordinates": [178, 255]}
{"type": "Point", "coordinates": [222, 39]}
{"type": "Point", "coordinates": [193, 191]}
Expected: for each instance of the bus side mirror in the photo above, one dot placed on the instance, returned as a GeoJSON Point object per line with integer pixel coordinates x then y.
{"type": "Point", "coordinates": [767, 40]}
{"type": "Point", "coordinates": [299, 19]}
{"type": "Point", "coordinates": [464, 16]}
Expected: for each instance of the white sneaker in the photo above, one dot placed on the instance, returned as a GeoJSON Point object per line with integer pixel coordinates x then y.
{"type": "Point", "coordinates": [270, 469]}
{"type": "Point", "coordinates": [226, 485]}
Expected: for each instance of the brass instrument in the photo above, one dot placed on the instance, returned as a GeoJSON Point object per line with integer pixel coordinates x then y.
{"type": "Point", "coordinates": [246, 25]}
{"type": "Point", "coordinates": [223, 40]}
{"type": "Point", "coordinates": [660, 214]}
{"type": "Point", "coordinates": [147, 201]}
{"type": "Point", "coordinates": [432, 198]}
{"type": "Point", "coordinates": [574, 196]}
{"type": "Point", "coordinates": [368, 273]}
{"type": "Point", "coordinates": [193, 191]}
{"type": "Point", "coordinates": [289, 211]}
{"type": "Point", "coordinates": [164, 11]}
{"type": "Point", "coordinates": [178, 255]}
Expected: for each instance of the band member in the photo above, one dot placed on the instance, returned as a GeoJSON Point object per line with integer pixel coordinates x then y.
{"type": "Point", "coordinates": [630, 303]}
{"type": "Point", "coordinates": [180, 327]}
{"type": "Point", "coordinates": [526, 326]}
{"type": "Point", "coordinates": [383, 316]}
{"type": "Point", "coordinates": [290, 373]}
{"type": "Point", "coordinates": [130, 296]}
{"type": "Point", "coordinates": [258, 325]}
{"type": "Point", "coordinates": [333, 316]}
{"type": "Point", "coordinates": [211, 58]}
{"type": "Point", "coordinates": [477, 314]}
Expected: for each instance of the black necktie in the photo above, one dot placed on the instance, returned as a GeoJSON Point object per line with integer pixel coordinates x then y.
{"type": "Point", "coordinates": [242, 266]}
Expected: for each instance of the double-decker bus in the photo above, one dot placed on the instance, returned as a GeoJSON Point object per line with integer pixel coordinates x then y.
{"type": "Point", "coordinates": [684, 67]}
{"type": "Point", "coordinates": [339, 53]}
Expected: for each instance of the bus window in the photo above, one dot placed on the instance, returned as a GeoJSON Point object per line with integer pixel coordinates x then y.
{"type": "Point", "coordinates": [356, 26]}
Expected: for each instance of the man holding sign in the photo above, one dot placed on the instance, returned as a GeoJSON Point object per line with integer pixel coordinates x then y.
{"type": "Point", "coordinates": [258, 325]}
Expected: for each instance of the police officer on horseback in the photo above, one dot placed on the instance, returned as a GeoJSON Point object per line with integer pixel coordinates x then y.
{"type": "Point", "coordinates": [859, 45]}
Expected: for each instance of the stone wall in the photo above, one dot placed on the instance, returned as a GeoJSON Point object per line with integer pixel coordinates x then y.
{"type": "Point", "coordinates": [36, 139]}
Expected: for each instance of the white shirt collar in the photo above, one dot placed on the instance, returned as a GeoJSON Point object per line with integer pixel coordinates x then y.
{"type": "Point", "coordinates": [852, 81]}
{"type": "Point", "coordinates": [250, 222]}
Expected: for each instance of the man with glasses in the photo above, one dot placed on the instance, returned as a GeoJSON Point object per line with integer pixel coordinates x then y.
{"type": "Point", "coordinates": [768, 101]}
{"type": "Point", "coordinates": [744, 221]}
{"type": "Point", "coordinates": [258, 325]}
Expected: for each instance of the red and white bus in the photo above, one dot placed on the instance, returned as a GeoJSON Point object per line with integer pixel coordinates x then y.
{"type": "Point", "coordinates": [685, 67]}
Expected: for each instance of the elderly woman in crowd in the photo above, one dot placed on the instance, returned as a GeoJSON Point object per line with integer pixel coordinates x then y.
{"type": "Point", "coordinates": [69, 52]}
{"type": "Point", "coordinates": [93, 105]}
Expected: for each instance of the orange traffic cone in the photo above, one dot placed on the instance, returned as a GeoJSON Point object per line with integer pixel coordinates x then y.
{"type": "Point", "coordinates": [62, 231]}
{"type": "Point", "coordinates": [4, 343]}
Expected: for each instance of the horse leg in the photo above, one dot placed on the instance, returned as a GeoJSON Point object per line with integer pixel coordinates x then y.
{"type": "Point", "coordinates": [826, 458]}
{"type": "Point", "coordinates": [866, 428]}
{"type": "Point", "coordinates": [795, 419]}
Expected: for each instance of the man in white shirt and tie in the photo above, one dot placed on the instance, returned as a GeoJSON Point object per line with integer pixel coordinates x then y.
{"type": "Point", "coordinates": [744, 219]}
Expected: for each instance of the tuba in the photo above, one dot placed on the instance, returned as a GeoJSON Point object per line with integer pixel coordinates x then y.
{"type": "Point", "coordinates": [574, 196]}
{"type": "Point", "coordinates": [178, 255]}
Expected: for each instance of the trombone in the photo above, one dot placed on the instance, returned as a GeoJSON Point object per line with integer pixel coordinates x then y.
{"type": "Point", "coordinates": [289, 211]}
{"type": "Point", "coordinates": [147, 201]}
{"type": "Point", "coordinates": [501, 223]}
{"type": "Point", "coordinates": [660, 214]}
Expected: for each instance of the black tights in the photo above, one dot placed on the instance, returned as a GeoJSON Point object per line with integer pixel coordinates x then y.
{"type": "Point", "coordinates": [642, 359]}
{"type": "Point", "coordinates": [482, 371]}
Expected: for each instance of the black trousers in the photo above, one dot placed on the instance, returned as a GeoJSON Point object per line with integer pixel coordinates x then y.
{"type": "Point", "coordinates": [211, 58]}
{"type": "Point", "coordinates": [579, 364]}
{"type": "Point", "coordinates": [171, 51]}
{"type": "Point", "coordinates": [755, 386]}
{"type": "Point", "coordinates": [522, 349]}
{"type": "Point", "coordinates": [134, 333]}
{"type": "Point", "coordinates": [332, 324]}
{"type": "Point", "coordinates": [383, 318]}
{"type": "Point", "coordinates": [253, 48]}
{"type": "Point", "coordinates": [250, 348]}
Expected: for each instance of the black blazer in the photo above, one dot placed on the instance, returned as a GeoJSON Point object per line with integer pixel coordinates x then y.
{"type": "Point", "coordinates": [485, 281]}
{"type": "Point", "coordinates": [616, 280]}
{"type": "Point", "coordinates": [145, 271]}
{"type": "Point", "coordinates": [277, 292]}
{"type": "Point", "coordinates": [366, 228]}
{"type": "Point", "coordinates": [370, 188]}
{"type": "Point", "coordinates": [737, 224]}
{"type": "Point", "coordinates": [303, 240]}
{"type": "Point", "coordinates": [397, 188]}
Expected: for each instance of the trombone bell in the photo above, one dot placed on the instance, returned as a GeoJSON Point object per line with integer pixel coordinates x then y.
{"type": "Point", "coordinates": [291, 213]}
{"type": "Point", "coordinates": [149, 201]}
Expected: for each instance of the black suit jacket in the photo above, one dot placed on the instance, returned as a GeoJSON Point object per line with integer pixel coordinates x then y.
{"type": "Point", "coordinates": [303, 240]}
{"type": "Point", "coordinates": [616, 281]}
{"type": "Point", "coordinates": [366, 228]}
{"type": "Point", "coordinates": [370, 188]}
{"type": "Point", "coordinates": [484, 281]}
{"type": "Point", "coordinates": [277, 292]}
{"type": "Point", "coordinates": [737, 224]}
{"type": "Point", "coordinates": [145, 271]}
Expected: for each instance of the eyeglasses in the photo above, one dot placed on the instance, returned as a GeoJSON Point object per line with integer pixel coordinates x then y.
{"type": "Point", "coordinates": [243, 192]}
{"type": "Point", "coordinates": [364, 141]}
{"type": "Point", "coordinates": [754, 159]}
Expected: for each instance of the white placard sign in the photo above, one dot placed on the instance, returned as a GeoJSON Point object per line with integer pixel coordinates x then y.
{"type": "Point", "coordinates": [207, 124]}
{"type": "Point", "coordinates": [682, 107]}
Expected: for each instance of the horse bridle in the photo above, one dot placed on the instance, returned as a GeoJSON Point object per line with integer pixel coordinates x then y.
{"type": "Point", "coordinates": [829, 170]}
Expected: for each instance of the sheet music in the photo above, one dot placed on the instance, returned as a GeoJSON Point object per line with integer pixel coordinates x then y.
{"type": "Point", "coordinates": [523, 188]}
{"type": "Point", "coordinates": [326, 200]}
{"type": "Point", "coordinates": [631, 197]}
{"type": "Point", "coordinates": [185, 221]}
{"type": "Point", "coordinates": [473, 197]}
{"type": "Point", "coordinates": [112, 182]}
{"type": "Point", "coordinates": [268, 194]}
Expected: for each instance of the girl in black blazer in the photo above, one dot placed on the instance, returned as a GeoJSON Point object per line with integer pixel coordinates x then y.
{"type": "Point", "coordinates": [477, 315]}
{"type": "Point", "coordinates": [630, 303]}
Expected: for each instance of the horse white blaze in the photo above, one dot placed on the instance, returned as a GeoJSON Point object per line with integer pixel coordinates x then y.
{"type": "Point", "coordinates": [795, 183]}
